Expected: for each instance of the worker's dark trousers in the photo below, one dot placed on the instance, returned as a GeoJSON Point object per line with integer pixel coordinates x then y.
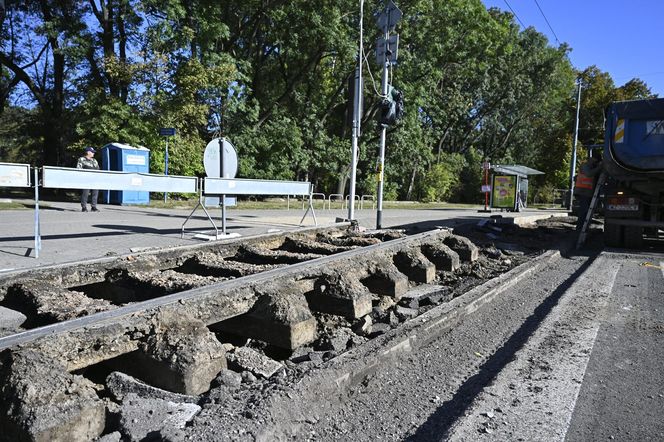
{"type": "Point", "coordinates": [84, 198]}
{"type": "Point", "coordinates": [584, 206]}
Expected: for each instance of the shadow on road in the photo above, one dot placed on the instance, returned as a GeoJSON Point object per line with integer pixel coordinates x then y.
{"type": "Point", "coordinates": [115, 230]}
{"type": "Point", "coordinates": [440, 422]}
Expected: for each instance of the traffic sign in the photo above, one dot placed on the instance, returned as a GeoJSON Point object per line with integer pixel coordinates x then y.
{"type": "Point", "coordinates": [220, 153]}
{"type": "Point", "coordinates": [389, 17]}
{"type": "Point", "coordinates": [387, 51]}
{"type": "Point", "coordinates": [486, 165]}
{"type": "Point", "coordinates": [167, 131]}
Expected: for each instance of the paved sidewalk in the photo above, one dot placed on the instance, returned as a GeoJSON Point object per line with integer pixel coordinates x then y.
{"type": "Point", "coordinates": [70, 235]}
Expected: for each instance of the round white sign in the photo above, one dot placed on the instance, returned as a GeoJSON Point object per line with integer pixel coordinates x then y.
{"type": "Point", "coordinates": [220, 151]}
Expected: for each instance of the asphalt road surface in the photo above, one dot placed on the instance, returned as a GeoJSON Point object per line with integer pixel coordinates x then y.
{"type": "Point", "coordinates": [574, 353]}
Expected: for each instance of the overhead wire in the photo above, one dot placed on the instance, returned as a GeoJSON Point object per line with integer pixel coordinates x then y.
{"type": "Point", "coordinates": [373, 80]}
{"type": "Point", "coordinates": [547, 21]}
{"type": "Point", "coordinates": [515, 14]}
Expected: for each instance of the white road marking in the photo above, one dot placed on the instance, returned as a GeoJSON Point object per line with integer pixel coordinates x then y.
{"type": "Point", "coordinates": [661, 267]}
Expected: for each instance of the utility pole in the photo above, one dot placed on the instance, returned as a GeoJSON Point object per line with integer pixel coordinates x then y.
{"type": "Point", "coordinates": [357, 117]}
{"type": "Point", "coordinates": [572, 169]}
{"type": "Point", "coordinates": [387, 20]}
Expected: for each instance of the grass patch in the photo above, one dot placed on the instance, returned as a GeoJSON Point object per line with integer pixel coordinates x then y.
{"type": "Point", "coordinates": [17, 205]}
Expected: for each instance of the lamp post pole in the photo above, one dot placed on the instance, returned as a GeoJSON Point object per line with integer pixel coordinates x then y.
{"type": "Point", "coordinates": [357, 118]}
{"type": "Point", "coordinates": [572, 169]}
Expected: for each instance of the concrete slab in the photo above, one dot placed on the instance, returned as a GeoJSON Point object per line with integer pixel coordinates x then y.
{"type": "Point", "coordinates": [54, 405]}
{"type": "Point", "coordinates": [142, 418]}
{"type": "Point", "coordinates": [11, 319]}
{"type": "Point", "coordinates": [248, 359]}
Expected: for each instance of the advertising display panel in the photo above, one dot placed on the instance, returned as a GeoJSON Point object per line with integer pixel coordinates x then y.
{"type": "Point", "coordinates": [504, 192]}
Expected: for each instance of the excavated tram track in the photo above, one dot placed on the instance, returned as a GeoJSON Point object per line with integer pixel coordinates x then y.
{"type": "Point", "coordinates": [90, 331]}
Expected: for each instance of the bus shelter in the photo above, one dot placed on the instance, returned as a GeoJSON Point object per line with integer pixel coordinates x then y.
{"type": "Point", "coordinates": [509, 186]}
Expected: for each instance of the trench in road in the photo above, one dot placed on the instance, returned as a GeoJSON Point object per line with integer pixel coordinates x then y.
{"type": "Point", "coordinates": [433, 387]}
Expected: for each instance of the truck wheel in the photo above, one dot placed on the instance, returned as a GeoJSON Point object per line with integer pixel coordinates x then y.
{"type": "Point", "coordinates": [612, 234]}
{"type": "Point", "coordinates": [633, 237]}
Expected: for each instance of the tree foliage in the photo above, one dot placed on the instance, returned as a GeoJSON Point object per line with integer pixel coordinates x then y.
{"type": "Point", "coordinates": [273, 76]}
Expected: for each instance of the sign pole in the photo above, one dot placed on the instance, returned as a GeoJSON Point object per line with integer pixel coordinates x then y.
{"type": "Point", "coordinates": [222, 153]}
{"type": "Point", "coordinates": [357, 117]}
{"type": "Point", "coordinates": [381, 154]}
{"type": "Point", "coordinates": [387, 20]}
{"type": "Point", "coordinates": [486, 188]}
{"type": "Point", "coordinates": [166, 168]}
{"type": "Point", "coordinates": [486, 183]}
{"type": "Point", "coordinates": [37, 224]}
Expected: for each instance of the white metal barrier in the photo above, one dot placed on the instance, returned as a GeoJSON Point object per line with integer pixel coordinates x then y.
{"type": "Point", "coordinates": [70, 178]}
{"type": "Point", "coordinates": [14, 175]}
{"type": "Point", "coordinates": [236, 186]}
{"type": "Point", "coordinates": [18, 175]}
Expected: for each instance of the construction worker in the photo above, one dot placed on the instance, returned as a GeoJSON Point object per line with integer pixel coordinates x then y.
{"type": "Point", "coordinates": [586, 180]}
{"type": "Point", "coordinates": [87, 161]}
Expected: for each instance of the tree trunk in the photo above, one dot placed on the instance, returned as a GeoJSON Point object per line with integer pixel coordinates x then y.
{"type": "Point", "coordinates": [411, 186]}
{"type": "Point", "coordinates": [122, 46]}
{"type": "Point", "coordinates": [108, 42]}
{"type": "Point", "coordinates": [343, 180]}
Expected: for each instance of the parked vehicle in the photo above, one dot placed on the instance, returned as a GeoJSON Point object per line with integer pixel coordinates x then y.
{"type": "Point", "coordinates": [634, 162]}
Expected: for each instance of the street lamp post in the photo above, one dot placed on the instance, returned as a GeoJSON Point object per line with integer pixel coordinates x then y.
{"type": "Point", "coordinates": [572, 169]}
{"type": "Point", "coordinates": [357, 118]}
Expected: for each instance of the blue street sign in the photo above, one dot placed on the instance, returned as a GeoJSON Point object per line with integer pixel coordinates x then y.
{"type": "Point", "coordinates": [167, 131]}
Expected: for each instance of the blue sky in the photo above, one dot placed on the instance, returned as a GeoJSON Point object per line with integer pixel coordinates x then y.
{"type": "Point", "coordinates": [622, 37]}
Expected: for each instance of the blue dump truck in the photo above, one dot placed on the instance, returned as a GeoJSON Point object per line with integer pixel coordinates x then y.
{"type": "Point", "coordinates": [634, 162]}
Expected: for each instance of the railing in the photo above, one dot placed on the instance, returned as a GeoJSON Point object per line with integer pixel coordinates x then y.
{"type": "Point", "coordinates": [336, 197]}
{"type": "Point", "coordinates": [314, 197]}
{"type": "Point", "coordinates": [220, 187]}
{"type": "Point", "coordinates": [347, 200]}
{"type": "Point", "coordinates": [368, 198]}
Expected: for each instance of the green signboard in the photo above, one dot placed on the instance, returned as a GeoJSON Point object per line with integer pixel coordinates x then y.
{"type": "Point", "coordinates": [504, 192]}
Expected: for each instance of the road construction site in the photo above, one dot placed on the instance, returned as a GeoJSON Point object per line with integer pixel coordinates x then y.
{"type": "Point", "coordinates": [487, 329]}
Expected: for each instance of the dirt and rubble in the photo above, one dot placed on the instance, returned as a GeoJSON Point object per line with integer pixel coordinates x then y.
{"type": "Point", "coordinates": [229, 403]}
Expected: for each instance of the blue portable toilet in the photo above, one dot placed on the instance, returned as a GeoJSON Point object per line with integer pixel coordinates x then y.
{"type": "Point", "coordinates": [124, 158]}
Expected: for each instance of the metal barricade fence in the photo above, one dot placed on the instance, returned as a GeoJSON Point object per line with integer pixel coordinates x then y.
{"type": "Point", "coordinates": [336, 197]}
{"type": "Point", "coordinates": [368, 198]}
{"type": "Point", "coordinates": [14, 175]}
{"type": "Point", "coordinates": [68, 178]}
{"type": "Point", "coordinates": [236, 186]}
{"type": "Point", "coordinates": [314, 196]}
{"type": "Point", "coordinates": [80, 179]}
{"type": "Point", "coordinates": [18, 175]}
{"type": "Point", "coordinates": [347, 200]}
